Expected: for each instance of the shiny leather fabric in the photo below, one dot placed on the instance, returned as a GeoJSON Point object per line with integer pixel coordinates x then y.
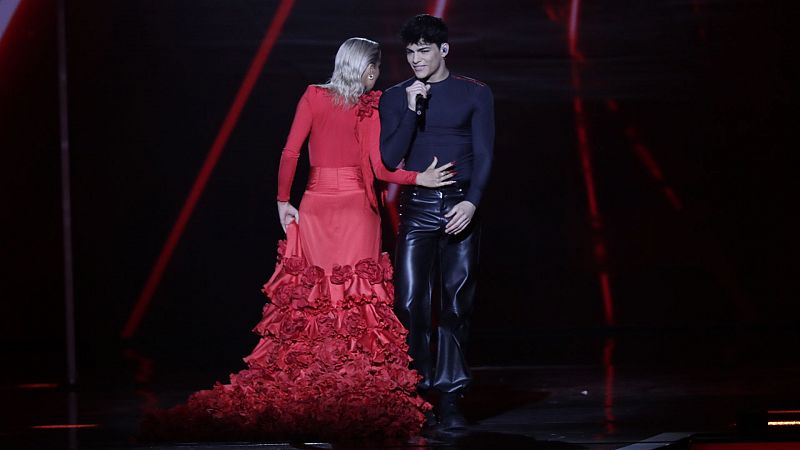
{"type": "Point", "coordinates": [421, 244]}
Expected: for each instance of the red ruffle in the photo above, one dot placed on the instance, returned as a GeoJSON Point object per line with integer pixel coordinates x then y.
{"type": "Point", "coordinates": [368, 104]}
{"type": "Point", "coordinates": [332, 362]}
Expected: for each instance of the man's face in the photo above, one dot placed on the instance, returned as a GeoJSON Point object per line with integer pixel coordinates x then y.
{"type": "Point", "coordinates": [425, 59]}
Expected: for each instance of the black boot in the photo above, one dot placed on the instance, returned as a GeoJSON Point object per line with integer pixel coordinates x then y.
{"type": "Point", "coordinates": [449, 411]}
{"type": "Point", "coordinates": [430, 419]}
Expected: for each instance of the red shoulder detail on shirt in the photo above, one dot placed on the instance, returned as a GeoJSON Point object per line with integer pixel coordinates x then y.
{"type": "Point", "coordinates": [468, 79]}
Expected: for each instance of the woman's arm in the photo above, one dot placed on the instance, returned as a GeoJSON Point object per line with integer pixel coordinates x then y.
{"type": "Point", "coordinates": [432, 177]}
{"type": "Point", "coordinates": [301, 126]}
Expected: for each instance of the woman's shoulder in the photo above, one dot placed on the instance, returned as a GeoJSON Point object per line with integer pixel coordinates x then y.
{"type": "Point", "coordinates": [315, 90]}
{"type": "Point", "coordinates": [318, 96]}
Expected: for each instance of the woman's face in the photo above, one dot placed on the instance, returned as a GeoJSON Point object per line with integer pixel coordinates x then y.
{"type": "Point", "coordinates": [370, 76]}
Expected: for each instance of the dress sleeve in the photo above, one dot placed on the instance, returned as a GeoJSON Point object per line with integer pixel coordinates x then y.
{"type": "Point", "coordinates": [301, 126]}
{"type": "Point", "coordinates": [398, 176]}
{"type": "Point", "coordinates": [482, 144]}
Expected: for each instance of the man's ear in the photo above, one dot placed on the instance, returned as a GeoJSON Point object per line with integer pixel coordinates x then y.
{"type": "Point", "coordinates": [445, 48]}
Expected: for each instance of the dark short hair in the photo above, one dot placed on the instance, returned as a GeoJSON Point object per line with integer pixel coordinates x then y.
{"type": "Point", "coordinates": [424, 27]}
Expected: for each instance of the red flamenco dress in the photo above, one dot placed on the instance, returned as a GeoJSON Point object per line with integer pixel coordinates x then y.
{"type": "Point", "coordinates": [332, 361]}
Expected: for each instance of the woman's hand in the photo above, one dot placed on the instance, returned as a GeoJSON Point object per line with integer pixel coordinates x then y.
{"type": "Point", "coordinates": [287, 213]}
{"type": "Point", "coordinates": [434, 177]}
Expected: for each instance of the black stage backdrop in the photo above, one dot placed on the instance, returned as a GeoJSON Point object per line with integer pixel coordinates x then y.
{"type": "Point", "coordinates": [685, 105]}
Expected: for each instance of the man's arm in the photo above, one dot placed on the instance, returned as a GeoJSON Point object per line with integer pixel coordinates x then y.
{"type": "Point", "coordinates": [482, 144]}
{"type": "Point", "coordinates": [461, 214]}
{"type": "Point", "coordinates": [398, 124]}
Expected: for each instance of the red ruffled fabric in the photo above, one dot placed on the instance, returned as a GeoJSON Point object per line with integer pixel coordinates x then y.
{"type": "Point", "coordinates": [367, 106]}
{"type": "Point", "coordinates": [332, 363]}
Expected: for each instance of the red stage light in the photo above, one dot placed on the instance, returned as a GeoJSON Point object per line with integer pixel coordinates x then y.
{"type": "Point", "coordinates": [65, 426]}
{"type": "Point", "coordinates": [438, 8]}
{"type": "Point", "coordinates": [7, 10]}
{"type": "Point", "coordinates": [267, 43]}
{"type": "Point", "coordinates": [37, 386]}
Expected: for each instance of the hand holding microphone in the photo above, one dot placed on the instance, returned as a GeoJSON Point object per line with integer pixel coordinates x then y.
{"type": "Point", "coordinates": [418, 96]}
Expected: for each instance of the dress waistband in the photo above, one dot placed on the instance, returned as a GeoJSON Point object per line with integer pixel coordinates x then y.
{"type": "Point", "coordinates": [335, 179]}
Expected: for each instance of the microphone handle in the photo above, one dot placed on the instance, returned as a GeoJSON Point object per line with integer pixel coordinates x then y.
{"type": "Point", "coordinates": [420, 100]}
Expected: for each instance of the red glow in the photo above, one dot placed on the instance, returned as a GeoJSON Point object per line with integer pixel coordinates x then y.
{"type": "Point", "coordinates": [144, 366]}
{"type": "Point", "coordinates": [673, 199]}
{"type": "Point", "coordinates": [608, 400]}
{"type": "Point", "coordinates": [585, 154]}
{"type": "Point", "coordinates": [599, 251]}
{"type": "Point", "coordinates": [572, 34]}
{"type": "Point", "coordinates": [438, 8]}
{"type": "Point", "coordinates": [65, 426]}
{"type": "Point", "coordinates": [199, 185]}
{"type": "Point", "coordinates": [556, 11]}
{"type": "Point", "coordinates": [17, 20]}
{"type": "Point", "coordinates": [646, 157]}
{"type": "Point", "coordinates": [584, 151]}
{"type": "Point", "coordinates": [7, 10]}
{"type": "Point", "coordinates": [38, 386]}
{"type": "Point", "coordinates": [608, 300]}
{"type": "Point", "coordinates": [390, 194]}
{"type": "Point", "coordinates": [552, 15]}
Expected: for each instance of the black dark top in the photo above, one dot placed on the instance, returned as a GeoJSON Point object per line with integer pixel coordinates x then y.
{"type": "Point", "coordinates": [457, 125]}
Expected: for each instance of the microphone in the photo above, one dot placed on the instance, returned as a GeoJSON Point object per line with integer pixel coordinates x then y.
{"type": "Point", "coordinates": [420, 104]}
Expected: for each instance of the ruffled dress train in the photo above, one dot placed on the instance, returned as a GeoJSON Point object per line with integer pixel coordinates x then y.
{"type": "Point", "coordinates": [331, 363]}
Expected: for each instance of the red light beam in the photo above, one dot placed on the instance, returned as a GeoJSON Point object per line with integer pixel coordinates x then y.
{"type": "Point", "coordinates": [156, 273]}
{"type": "Point", "coordinates": [438, 8]}
{"type": "Point", "coordinates": [585, 154]}
{"type": "Point", "coordinates": [7, 10]}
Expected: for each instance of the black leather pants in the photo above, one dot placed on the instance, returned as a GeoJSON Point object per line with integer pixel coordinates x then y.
{"type": "Point", "coordinates": [423, 246]}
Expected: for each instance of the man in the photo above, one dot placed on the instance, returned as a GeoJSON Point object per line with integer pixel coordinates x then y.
{"type": "Point", "coordinates": [438, 114]}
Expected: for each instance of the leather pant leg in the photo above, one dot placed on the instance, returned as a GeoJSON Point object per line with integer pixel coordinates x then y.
{"type": "Point", "coordinates": [417, 247]}
{"type": "Point", "coordinates": [459, 260]}
{"type": "Point", "coordinates": [421, 242]}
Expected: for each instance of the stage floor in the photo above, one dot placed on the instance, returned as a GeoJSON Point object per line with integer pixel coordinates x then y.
{"type": "Point", "coordinates": [646, 404]}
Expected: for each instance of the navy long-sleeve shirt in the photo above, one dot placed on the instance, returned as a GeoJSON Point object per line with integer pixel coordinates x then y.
{"type": "Point", "coordinates": [458, 126]}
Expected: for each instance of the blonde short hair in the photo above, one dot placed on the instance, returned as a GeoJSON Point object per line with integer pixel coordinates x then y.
{"type": "Point", "coordinates": [352, 59]}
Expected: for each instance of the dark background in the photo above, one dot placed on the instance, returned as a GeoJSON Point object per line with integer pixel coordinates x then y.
{"type": "Point", "coordinates": [707, 86]}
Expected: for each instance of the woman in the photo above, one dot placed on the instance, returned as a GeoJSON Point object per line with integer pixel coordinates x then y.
{"type": "Point", "coordinates": [332, 360]}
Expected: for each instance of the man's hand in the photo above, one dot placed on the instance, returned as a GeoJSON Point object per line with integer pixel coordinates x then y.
{"type": "Point", "coordinates": [460, 216]}
{"type": "Point", "coordinates": [416, 88]}
{"type": "Point", "coordinates": [287, 213]}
